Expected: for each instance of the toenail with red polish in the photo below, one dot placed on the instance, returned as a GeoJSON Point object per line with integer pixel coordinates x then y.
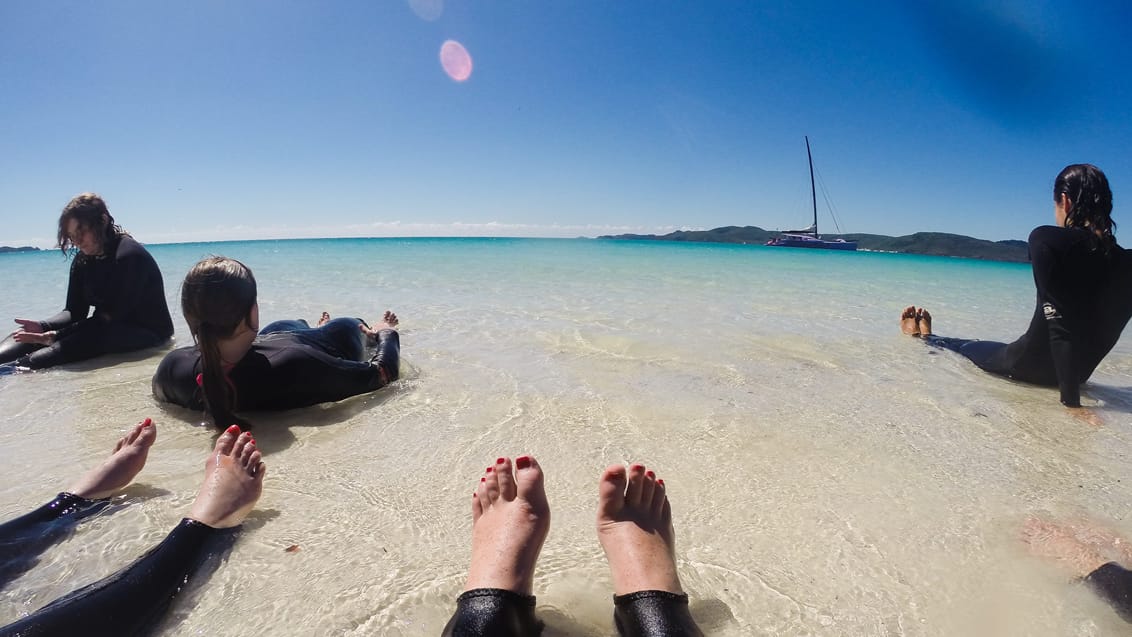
{"type": "Point", "coordinates": [660, 482]}
{"type": "Point", "coordinates": [522, 462]}
{"type": "Point", "coordinates": [147, 422]}
{"type": "Point", "coordinates": [234, 429]}
{"type": "Point", "coordinates": [636, 467]}
{"type": "Point", "coordinates": [650, 474]}
{"type": "Point", "coordinates": [489, 469]}
{"type": "Point", "coordinates": [500, 460]}
{"type": "Point", "coordinates": [483, 479]}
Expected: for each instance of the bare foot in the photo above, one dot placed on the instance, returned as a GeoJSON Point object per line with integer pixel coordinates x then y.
{"type": "Point", "coordinates": [908, 321]}
{"type": "Point", "coordinates": [634, 526]}
{"type": "Point", "coordinates": [1051, 541]}
{"type": "Point", "coordinates": [388, 322]}
{"type": "Point", "coordinates": [323, 319]}
{"type": "Point", "coordinates": [510, 520]}
{"type": "Point", "coordinates": [120, 468]}
{"type": "Point", "coordinates": [924, 322]}
{"type": "Point", "coordinates": [233, 480]}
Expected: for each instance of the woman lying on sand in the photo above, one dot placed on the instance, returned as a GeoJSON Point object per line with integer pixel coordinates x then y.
{"type": "Point", "coordinates": [511, 518]}
{"type": "Point", "coordinates": [134, 599]}
{"type": "Point", "coordinates": [236, 366]}
{"type": "Point", "coordinates": [1084, 284]}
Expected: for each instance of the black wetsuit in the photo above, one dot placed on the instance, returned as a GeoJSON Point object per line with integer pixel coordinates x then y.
{"type": "Point", "coordinates": [1084, 302]}
{"type": "Point", "coordinates": [495, 612]}
{"type": "Point", "coordinates": [290, 365]}
{"type": "Point", "coordinates": [129, 602]}
{"type": "Point", "coordinates": [128, 295]}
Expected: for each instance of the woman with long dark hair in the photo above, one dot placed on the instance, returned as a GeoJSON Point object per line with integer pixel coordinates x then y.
{"type": "Point", "coordinates": [1084, 289]}
{"type": "Point", "coordinates": [110, 272]}
{"type": "Point", "coordinates": [236, 366]}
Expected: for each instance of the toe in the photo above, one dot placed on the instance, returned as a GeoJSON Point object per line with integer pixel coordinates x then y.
{"type": "Point", "coordinates": [528, 478]}
{"type": "Point", "coordinates": [611, 491]}
{"type": "Point", "coordinates": [636, 485]}
{"type": "Point", "coordinates": [506, 478]}
{"type": "Point", "coordinates": [659, 497]}
{"type": "Point", "coordinates": [490, 487]}
{"type": "Point", "coordinates": [227, 440]}
{"type": "Point", "coordinates": [241, 441]}
{"type": "Point", "coordinates": [246, 455]}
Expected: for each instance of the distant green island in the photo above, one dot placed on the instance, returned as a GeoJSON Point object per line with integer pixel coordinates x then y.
{"type": "Point", "coordinates": [931, 243]}
{"type": "Point", "coordinates": [22, 249]}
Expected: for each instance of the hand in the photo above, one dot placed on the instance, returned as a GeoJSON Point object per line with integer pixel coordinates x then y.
{"type": "Point", "coordinates": [44, 338]}
{"type": "Point", "coordinates": [1087, 416]}
{"type": "Point", "coordinates": [29, 326]}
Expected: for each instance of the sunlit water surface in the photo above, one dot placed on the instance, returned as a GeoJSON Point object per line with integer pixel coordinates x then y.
{"type": "Point", "coordinates": [829, 476]}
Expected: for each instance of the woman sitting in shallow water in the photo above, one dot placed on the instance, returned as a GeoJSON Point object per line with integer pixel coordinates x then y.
{"type": "Point", "coordinates": [110, 272]}
{"type": "Point", "coordinates": [237, 366]}
{"type": "Point", "coordinates": [1084, 285]}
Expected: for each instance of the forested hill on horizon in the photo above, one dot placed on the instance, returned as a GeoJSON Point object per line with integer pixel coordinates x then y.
{"type": "Point", "coordinates": [929, 243]}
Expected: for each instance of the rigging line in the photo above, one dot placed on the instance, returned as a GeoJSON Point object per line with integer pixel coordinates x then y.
{"type": "Point", "coordinates": [828, 201]}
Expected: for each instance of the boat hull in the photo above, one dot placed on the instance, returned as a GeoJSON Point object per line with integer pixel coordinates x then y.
{"type": "Point", "coordinates": [811, 242]}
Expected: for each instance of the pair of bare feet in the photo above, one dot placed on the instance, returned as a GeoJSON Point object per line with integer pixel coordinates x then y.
{"type": "Point", "coordinates": [389, 321]}
{"type": "Point", "coordinates": [233, 474]}
{"type": "Point", "coordinates": [511, 518]}
{"type": "Point", "coordinates": [916, 321]}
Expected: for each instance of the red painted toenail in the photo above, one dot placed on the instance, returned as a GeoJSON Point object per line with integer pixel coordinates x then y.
{"type": "Point", "coordinates": [489, 469]}
{"type": "Point", "coordinates": [147, 422]}
{"type": "Point", "coordinates": [522, 462]}
{"type": "Point", "coordinates": [650, 474]}
{"type": "Point", "coordinates": [500, 460]}
{"type": "Point", "coordinates": [483, 479]}
{"type": "Point", "coordinates": [636, 467]}
{"type": "Point", "coordinates": [660, 482]}
{"type": "Point", "coordinates": [234, 429]}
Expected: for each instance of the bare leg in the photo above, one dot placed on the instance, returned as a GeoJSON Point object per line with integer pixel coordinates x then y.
{"type": "Point", "coordinates": [908, 321]}
{"type": "Point", "coordinates": [1048, 540]}
{"type": "Point", "coordinates": [233, 481]}
{"type": "Point", "coordinates": [120, 468]}
{"type": "Point", "coordinates": [510, 520]}
{"type": "Point", "coordinates": [924, 322]}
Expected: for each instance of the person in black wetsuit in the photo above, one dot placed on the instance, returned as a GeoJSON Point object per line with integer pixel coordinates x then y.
{"type": "Point", "coordinates": [511, 518]}
{"type": "Point", "coordinates": [1079, 550]}
{"type": "Point", "coordinates": [112, 273]}
{"type": "Point", "coordinates": [1084, 290]}
{"type": "Point", "coordinates": [236, 366]}
{"type": "Point", "coordinates": [134, 600]}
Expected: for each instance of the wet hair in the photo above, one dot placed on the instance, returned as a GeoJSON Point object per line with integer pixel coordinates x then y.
{"type": "Point", "coordinates": [1090, 200]}
{"type": "Point", "coordinates": [91, 213]}
{"type": "Point", "coordinates": [217, 297]}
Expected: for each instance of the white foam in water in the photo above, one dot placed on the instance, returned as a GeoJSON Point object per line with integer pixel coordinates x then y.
{"type": "Point", "coordinates": [829, 476]}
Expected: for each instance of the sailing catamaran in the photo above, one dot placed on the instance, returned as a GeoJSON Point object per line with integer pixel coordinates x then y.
{"type": "Point", "coordinates": [809, 237]}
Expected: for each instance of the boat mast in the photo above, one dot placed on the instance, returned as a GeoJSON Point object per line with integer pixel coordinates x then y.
{"type": "Point", "coordinates": [813, 192]}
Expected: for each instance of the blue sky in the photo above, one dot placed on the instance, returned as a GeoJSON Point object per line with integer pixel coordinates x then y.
{"type": "Point", "coordinates": [233, 120]}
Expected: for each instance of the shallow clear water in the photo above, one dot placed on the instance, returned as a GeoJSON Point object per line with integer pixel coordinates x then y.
{"type": "Point", "coordinates": [829, 476]}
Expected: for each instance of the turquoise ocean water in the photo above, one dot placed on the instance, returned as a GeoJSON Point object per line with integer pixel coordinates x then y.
{"type": "Point", "coordinates": [829, 476]}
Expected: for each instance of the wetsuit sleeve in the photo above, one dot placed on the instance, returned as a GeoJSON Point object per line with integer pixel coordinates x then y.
{"type": "Point", "coordinates": [1114, 584]}
{"type": "Point", "coordinates": [1061, 337]}
{"type": "Point", "coordinates": [76, 307]}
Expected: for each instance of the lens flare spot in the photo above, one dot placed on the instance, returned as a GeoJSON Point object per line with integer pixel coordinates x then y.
{"type": "Point", "coordinates": [455, 60]}
{"type": "Point", "coordinates": [430, 10]}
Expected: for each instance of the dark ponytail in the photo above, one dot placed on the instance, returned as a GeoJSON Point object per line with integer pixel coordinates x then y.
{"type": "Point", "coordinates": [1090, 199]}
{"type": "Point", "coordinates": [217, 297]}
